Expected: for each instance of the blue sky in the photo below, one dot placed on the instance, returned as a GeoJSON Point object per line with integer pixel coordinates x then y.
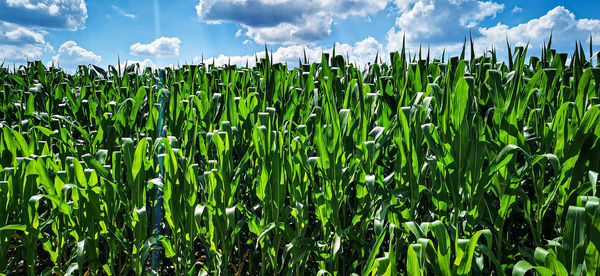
{"type": "Point", "coordinates": [162, 33]}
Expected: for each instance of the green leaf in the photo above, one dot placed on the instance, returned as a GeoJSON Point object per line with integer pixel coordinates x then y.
{"type": "Point", "coordinates": [169, 251]}
{"type": "Point", "coordinates": [18, 227]}
{"type": "Point", "coordinates": [459, 102]}
{"type": "Point", "coordinates": [523, 267]}
{"type": "Point", "coordinates": [93, 163]}
{"type": "Point", "coordinates": [465, 261]}
{"type": "Point", "coordinates": [369, 266]}
{"type": "Point", "coordinates": [62, 206]}
{"type": "Point", "coordinates": [574, 245]}
{"type": "Point", "coordinates": [412, 262]}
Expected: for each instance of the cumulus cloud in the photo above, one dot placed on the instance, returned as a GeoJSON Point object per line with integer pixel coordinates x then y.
{"type": "Point", "coordinates": [23, 25]}
{"type": "Point", "coordinates": [70, 55]}
{"type": "Point", "coordinates": [313, 28]}
{"type": "Point", "coordinates": [123, 13]}
{"type": "Point", "coordinates": [566, 29]}
{"type": "Point", "coordinates": [54, 14]}
{"type": "Point", "coordinates": [285, 21]}
{"type": "Point", "coordinates": [13, 33]}
{"type": "Point", "coordinates": [438, 22]}
{"type": "Point", "coordinates": [238, 33]}
{"type": "Point", "coordinates": [20, 52]}
{"type": "Point", "coordinates": [441, 25]}
{"type": "Point", "coordinates": [360, 53]}
{"type": "Point", "coordinates": [21, 43]}
{"type": "Point", "coordinates": [161, 47]}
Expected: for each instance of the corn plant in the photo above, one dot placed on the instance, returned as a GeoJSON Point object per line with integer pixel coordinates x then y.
{"type": "Point", "coordinates": [462, 165]}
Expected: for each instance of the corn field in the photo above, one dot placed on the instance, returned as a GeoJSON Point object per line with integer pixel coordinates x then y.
{"type": "Point", "coordinates": [418, 166]}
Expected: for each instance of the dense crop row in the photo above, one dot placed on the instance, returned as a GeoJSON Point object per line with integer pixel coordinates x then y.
{"type": "Point", "coordinates": [419, 166]}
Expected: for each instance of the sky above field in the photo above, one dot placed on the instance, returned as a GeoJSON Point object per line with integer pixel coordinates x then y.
{"type": "Point", "coordinates": [163, 33]}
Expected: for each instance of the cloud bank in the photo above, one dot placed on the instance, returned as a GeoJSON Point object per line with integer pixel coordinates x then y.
{"type": "Point", "coordinates": [25, 23]}
{"type": "Point", "coordinates": [285, 21]}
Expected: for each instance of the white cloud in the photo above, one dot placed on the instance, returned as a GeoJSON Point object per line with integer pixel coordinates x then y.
{"type": "Point", "coordinates": [438, 22]}
{"type": "Point", "coordinates": [161, 47]}
{"type": "Point", "coordinates": [517, 9]}
{"type": "Point", "coordinates": [238, 33]}
{"type": "Point", "coordinates": [360, 53]}
{"type": "Point", "coordinates": [563, 25]}
{"type": "Point", "coordinates": [22, 43]}
{"type": "Point", "coordinates": [20, 52]}
{"type": "Point", "coordinates": [54, 14]}
{"type": "Point", "coordinates": [23, 25]}
{"type": "Point", "coordinates": [286, 21]}
{"type": "Point", "coordinates": [444, 23]}
{"type": "Point", "coordinates": [24, 35]}
{"type": "Point", "coordinates": [123, 13]}
{"type": "Point", "coordinates": [403, 5]}
{"type": "Point", "coordinates": [70, 55]}
{"type": "Point", "coordinates": [313, 28]}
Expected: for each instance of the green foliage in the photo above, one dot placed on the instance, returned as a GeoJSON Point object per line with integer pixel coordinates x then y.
{"type": "Point", "coordinates": [418, 167]}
